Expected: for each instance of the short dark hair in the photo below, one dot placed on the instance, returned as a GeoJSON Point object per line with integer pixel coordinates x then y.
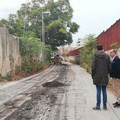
{"type": "Point", "coordinates": [99, 47]}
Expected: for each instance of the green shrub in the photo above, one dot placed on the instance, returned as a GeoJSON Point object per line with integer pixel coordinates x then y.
{"type": "Point", "coordinates": [87, 52]}
{"type": "Point", "coordinates": [7, 77]}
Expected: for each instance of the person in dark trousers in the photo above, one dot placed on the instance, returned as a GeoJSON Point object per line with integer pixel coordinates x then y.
{"type": "Point", "coordinates": [100, 72]}
{"type": "Point", "coordinates": [115, 75]}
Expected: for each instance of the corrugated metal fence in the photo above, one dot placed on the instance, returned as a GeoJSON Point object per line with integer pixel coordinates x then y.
{"type": "Point", "coordinates": [110, 36]}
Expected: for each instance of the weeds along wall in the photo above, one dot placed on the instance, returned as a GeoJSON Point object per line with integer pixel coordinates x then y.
{"type": "Point", "coordinates": [9, 52]}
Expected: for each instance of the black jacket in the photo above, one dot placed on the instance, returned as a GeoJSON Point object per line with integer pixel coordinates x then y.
{"type": "Point", "coordinates": [100, 68]}
{"type": "Point", "coordinates": [115, 68]}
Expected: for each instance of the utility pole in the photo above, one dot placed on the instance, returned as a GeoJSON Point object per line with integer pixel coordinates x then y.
{"type": "Point", "coordinates": [43, 38]}
{"type": "Point", "coordinates": [43, 29]}
{"type": "Point", "coordinates": [25, 16]}
{"type": "Point", "coordinates": [24, 20]}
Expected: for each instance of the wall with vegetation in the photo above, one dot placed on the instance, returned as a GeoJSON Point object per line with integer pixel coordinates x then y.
{"type": "Point", "coordinates": [9, 52]}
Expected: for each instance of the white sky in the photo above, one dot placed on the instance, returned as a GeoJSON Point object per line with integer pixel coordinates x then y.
{"type": "Point", "coordinates": [93, 16]}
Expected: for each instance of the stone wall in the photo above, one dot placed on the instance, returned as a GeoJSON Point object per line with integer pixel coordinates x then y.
{"type": "Point", "coordinates": [9, 52]}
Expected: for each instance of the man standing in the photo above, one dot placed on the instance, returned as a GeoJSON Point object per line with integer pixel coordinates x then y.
{"type": "Point", "coordinates": [100, 71]}
{"type": "Point", "coordinates": [115, 75]}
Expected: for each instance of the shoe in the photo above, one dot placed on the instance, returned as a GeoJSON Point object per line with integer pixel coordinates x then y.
{"type": "Point", "coordinates": [96, 108]}
{"type": "Point", "coordinates": [115, 103]}
{"type": "Point", "coordinates": [104, 108]}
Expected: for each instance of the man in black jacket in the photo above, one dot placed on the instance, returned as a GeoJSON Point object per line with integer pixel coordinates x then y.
{"type": "Point", "coordinates": [100, 71]}
{"type": "Point", "coordinates": [115, 75]}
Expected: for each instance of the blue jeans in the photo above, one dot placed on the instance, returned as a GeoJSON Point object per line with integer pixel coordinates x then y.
{"type": "Point", "coordinates": [104, 93]}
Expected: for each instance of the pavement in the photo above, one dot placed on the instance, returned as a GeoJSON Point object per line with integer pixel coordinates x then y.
{"type": "Point", "coordinates": [83, 92]}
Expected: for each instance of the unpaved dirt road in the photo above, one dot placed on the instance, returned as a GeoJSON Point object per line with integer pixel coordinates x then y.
{"type": "Point", "coordinates": [62, 92]}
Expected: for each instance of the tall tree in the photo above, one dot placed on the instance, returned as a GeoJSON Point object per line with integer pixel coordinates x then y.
{"type": "Point", "coordinates": [57, 16]}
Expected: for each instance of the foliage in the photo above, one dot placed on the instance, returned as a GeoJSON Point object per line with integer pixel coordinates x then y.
{"type": "Point", "coordinates": [31, 48]}
{"type": "Point", "coordinates": [74, 27]}
{"type": "Point", "coordinates": [87, 52]}
{"type": "Point", "coordinates": [34, 66]}
{"type": "Point", "coordinates": [115, 45]}
{"type": "Point", "coordinates": [7, 77]}
{"type": "Point", "coordinates": [48, 52]}
{"type": "Point", "coordinates": [3, 23]}
{"type": "Point", "coordinates": [58, 33]}
{"type": "Point", "coordinates": [57, 16]}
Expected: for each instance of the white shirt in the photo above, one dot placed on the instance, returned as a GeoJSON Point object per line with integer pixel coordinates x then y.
{"type": "Point", "coordinates": [114, 57]}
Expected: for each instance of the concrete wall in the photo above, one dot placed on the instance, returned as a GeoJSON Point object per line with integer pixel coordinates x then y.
{"type": "Point", "coordinates": [9, 52]}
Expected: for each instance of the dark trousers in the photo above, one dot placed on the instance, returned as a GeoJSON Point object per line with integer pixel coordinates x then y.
{"type": "Point", "coordinates": [104, 93]}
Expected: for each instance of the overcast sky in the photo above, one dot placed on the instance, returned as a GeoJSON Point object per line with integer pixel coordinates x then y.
{"type": "Point", "coordinates": [93, 16]}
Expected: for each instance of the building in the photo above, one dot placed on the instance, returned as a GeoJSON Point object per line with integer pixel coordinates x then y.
{"type": "Point", "coordinates": [110, 36]}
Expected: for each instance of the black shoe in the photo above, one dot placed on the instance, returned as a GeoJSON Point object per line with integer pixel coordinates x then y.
{"type": "Point", "coordinates": [115, 103]}
{"type": "Point", "coordinates": [104, 108]}
{"type": "Point", "coordinates": [96, 108]}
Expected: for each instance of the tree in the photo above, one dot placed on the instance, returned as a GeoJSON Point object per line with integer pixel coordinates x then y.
{"type": "Point", "coordinates": [58, 34]}
{"type": "Point", "coordinates": [3, 23]}
{"type": "Point", "coordinates": [57, 19]}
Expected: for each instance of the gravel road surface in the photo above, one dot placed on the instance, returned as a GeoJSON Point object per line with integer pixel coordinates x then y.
{"type": "Point", "coordinates": [61, 92]}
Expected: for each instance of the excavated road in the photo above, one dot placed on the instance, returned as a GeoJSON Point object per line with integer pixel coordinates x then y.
{"type": "Point", "coordinates": [62, 92]}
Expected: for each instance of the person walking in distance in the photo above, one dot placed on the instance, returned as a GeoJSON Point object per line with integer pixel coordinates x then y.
{"type": "Point", "coordinates": [115, 75]}
{"type": "Point", "coordinates": [100, 72]}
